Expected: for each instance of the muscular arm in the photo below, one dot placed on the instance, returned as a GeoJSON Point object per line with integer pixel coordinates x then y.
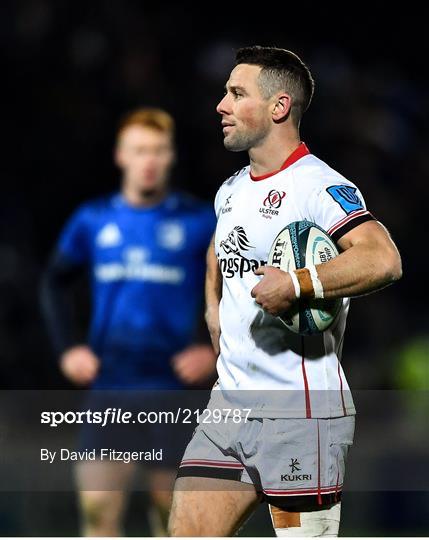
{"type": "Point", "coordinates": [369, 261]}
{"type": "Point", "coordinates": [213, 292]}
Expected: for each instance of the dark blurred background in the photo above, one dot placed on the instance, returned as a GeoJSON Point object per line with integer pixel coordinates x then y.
{"type": "Point", "coordinates": [70, 69]}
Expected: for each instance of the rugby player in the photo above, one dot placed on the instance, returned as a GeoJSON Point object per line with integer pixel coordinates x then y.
{"type": "Point", "coordinates": [144, 249]}
{"type": "Point", "coordinates": [297, 414]}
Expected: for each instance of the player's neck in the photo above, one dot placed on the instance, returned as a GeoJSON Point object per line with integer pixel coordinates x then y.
{"type": "Point", "coordinates": [271, 155]}
{"type": "Point", "coordinates": [143, 198]}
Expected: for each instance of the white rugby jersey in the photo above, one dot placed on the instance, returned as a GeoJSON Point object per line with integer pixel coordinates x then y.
{"type": "Point", "coordinates": [284, 374]}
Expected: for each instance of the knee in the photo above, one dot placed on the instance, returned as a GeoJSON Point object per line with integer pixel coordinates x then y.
{"type": "Point", "coordinates": [182, 522]}
{"type": "Point", "coordinates": [179, 525]}
{"type": "Point", "coordinates": [184, 529]}
{"type": "Point", "coordinates": [97, 511]}
{"type": "Point", "coordinates": [162, 499]}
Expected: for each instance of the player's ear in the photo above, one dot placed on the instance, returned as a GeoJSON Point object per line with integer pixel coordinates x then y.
{"type": "Point", "coordinates": [281, 107]}
{"type": "Point", "coordinates": [174, 153]}
{"type": "Point", "coordinates": [118, 157]}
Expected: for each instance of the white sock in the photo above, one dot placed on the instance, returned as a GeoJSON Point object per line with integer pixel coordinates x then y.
{"type": "Point", "coordinates": [316, 523]}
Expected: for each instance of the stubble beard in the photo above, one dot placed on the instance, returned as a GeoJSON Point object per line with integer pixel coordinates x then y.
{"type": "Point", "coordinates": [243, 142]}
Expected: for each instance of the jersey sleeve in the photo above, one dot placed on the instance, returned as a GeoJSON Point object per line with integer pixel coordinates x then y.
{"type": "Point", "coordinates": [56, 301]}
{"type": "Point", "coordinates": [338, 208]}
{"type": "Point", "coordinates": [74, 240]}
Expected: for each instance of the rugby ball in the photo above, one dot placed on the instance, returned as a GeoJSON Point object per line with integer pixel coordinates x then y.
{"type": "Point", "coordinates": [300, 244]}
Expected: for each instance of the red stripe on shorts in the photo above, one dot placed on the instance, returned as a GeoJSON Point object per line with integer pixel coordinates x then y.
{"type": "Point", "coordinates": [210, 463]}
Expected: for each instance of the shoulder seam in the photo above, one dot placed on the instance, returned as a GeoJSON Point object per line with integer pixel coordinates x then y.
{"type": "Point", "coordinates": [235, 176]}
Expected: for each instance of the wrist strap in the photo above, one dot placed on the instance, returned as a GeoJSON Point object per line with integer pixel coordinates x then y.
{"type": "Point", "coordinates": [305, 282]}
{"type": "Point", "coordinates": [296, 285]}
{"type": "Point", "coordinates": [317, 284]}
{"type": "Point", "coordinates": [308, 283]}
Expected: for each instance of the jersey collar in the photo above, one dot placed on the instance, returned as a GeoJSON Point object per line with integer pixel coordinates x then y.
{"type": "Point", "coordinates": [298, 153]}
{"type": "Point", "coordinates": [169, 201]}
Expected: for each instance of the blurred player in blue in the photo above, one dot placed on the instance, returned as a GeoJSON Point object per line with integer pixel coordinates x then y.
{"type": "Point", "coordinates": [144, 248]}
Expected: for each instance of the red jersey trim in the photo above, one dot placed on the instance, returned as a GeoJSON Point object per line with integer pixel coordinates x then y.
{"type": "Point", "coordinates": [346, 219]}
{"type": "Point", "coordinates": [304, 376]}
{"type": "Point", "coordinates": [341, 388]}
{"type": "Point", "coordinates": [298, 153]}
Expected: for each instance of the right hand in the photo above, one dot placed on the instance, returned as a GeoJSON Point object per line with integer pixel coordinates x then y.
{"type": "Point", "coordinates": [213, 325]}
{"type": "Point", "coordinates": [80, 365]}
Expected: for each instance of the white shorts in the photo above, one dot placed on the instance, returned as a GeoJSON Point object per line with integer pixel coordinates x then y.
{"type": "Point", "coordinates": [296, 464]}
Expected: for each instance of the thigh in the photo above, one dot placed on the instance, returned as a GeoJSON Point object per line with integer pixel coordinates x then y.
{"type": "Point", "coordinates": [106, 476]}
{"type": "Point", "coordinates": [161, 484]}
{"type": "Point", "coordinates": [210, 506]}
{"type": "Point", "coordinates": [212, 494]}
{"type": "Point", "coordinates": [103, 494]}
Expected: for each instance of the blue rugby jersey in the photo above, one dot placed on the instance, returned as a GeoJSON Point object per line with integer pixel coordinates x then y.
{"type": "Point", "coordinates": [147, 267]}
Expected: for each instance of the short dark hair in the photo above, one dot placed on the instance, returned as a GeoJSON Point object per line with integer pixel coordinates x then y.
{"type": "Point", "coordinates": [282, 70]}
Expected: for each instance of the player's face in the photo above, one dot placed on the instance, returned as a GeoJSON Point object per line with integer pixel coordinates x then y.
{"type": "Point", "coordinates": [145, 156]}
{"type": "Point", "coordinates": [246, 117]}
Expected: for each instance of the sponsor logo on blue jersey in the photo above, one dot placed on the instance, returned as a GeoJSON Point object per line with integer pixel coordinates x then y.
{"type": "Point", "coordinates": [171, 235]}
{"type": "Point", "coordinates": [109, 236]}
{"type": "Point", "coordinates": [136, 267]}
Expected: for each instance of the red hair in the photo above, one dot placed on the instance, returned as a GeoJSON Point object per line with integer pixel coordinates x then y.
{"type": "Point", "coordinates": [148, 117]}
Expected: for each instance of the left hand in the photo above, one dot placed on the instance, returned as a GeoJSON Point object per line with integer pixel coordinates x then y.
{"type": "Point", "coordinates": [275, 292]}
{"type": "Point", "coordinates": [195, 364]}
